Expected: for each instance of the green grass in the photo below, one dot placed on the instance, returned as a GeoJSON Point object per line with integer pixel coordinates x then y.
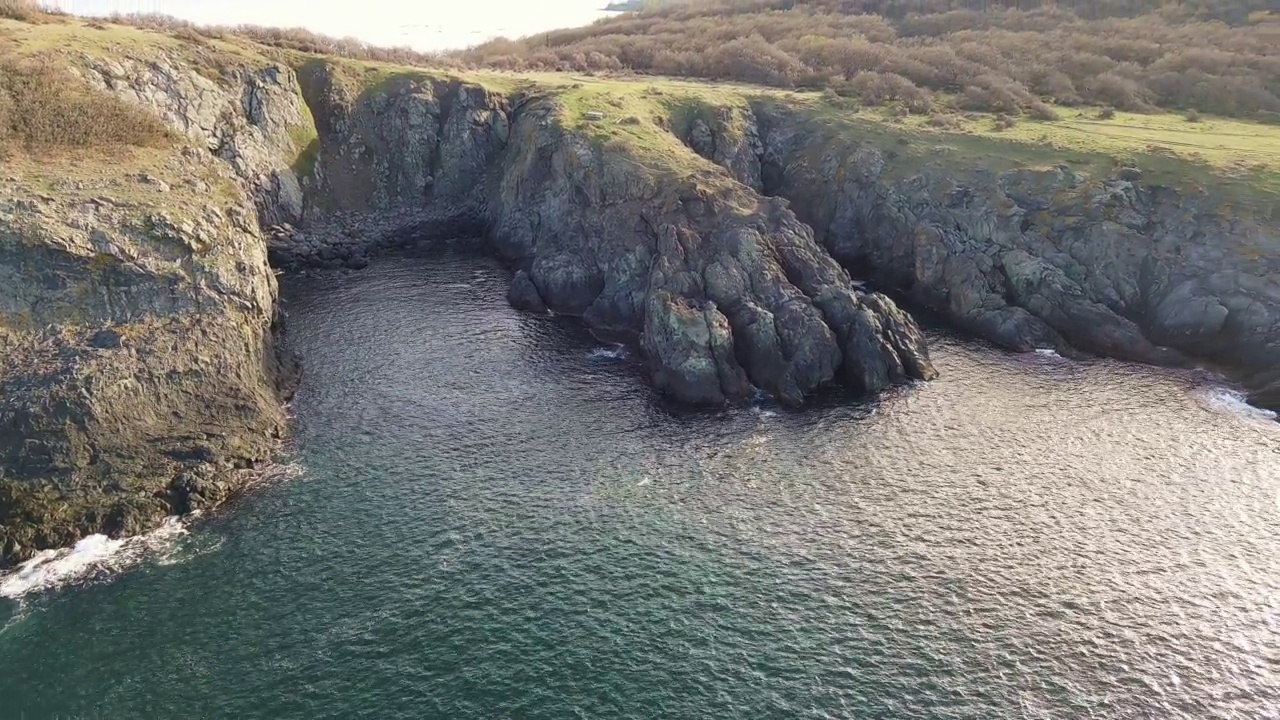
{"type": "Point", "coordinates": [306, 144]}
{"type": "Point", "coordinates": [1236, 159]}
{"type": "Point", "coordinates": [642, 115]}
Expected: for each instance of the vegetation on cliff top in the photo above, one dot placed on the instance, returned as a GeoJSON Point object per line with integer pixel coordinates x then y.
{"type": "Point", "coordinates": [1236, 156]}
{"type": "Point", "coordinates": [43, 106]}
{"type": "Point", "coordinates": [1219, 57]}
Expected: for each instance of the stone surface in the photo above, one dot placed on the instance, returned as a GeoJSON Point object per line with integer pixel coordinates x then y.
{"type": "Point", "coordinates": [723, 290]}
{"type": "Point", "coordinates": [138, 374]}
{"type": "Point", "coordinates": [1032, 258]}
{"type": "Point", "coordinates": [251, 118]}
{"type": "Point", "coordinates": [136, 345]}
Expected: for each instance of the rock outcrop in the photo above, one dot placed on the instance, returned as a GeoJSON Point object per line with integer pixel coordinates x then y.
{"type": "Point", "coordinates": [723, 289]}
{"type": "Point", "coordinates": [253, 118]}
{"type": "Point", "coordinates": [139, 377]}
{"type": "Point", "coordinates": [1029, 258]}
{"type": "Point", "coordinates": [137, 309]}
{"type": "Point", "coordinates": [138, 372]}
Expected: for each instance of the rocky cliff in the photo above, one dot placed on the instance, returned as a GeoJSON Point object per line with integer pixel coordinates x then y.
{"type": "Point", "coordinates": [137, 306]}
{"type": "Point", "coordinates": [139, 377]}
{"type": "Point", "coordinates": [724, 290]}
{"type": "Point", "coordinates": [1027, 258]}
{"type": "Point", "coordinates": [138, 371]}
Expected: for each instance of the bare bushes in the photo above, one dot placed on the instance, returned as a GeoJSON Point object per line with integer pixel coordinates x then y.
{"type": "Point", "coordinates": [1134, 57]}
{"type": "Point", "coordinates": [42, 106]}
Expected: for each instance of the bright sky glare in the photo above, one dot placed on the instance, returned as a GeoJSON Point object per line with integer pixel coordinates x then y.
{"type": "Point", "coordinates": [423, 25]}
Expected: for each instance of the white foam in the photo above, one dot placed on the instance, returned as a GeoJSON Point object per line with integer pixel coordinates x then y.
{"type": "Point", "coordinates": [613, 352]}
{"type": "Point", "coordinates": [91, 557]}
{"type": "Point", "coordinates": [1047, 352]}
{"type": "Point", "coordinates": [1232, 401]}
{"type": "Point", "coordinates": [763, 412]}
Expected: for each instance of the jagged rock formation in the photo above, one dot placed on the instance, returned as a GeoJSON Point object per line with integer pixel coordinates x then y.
{"type": "Point", "coordinates": [139, 376]}
{"type": "Point", "coordinates": [723, 289]}
{"type": "Point", "coordinates": [1032, 258]}
{"type": "Point", "coordinates": [253, 119]}
{"type": "Point", "coordinates": [139, 373]}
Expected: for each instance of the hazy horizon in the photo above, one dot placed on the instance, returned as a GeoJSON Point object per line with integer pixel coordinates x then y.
{"type": "Point", "coordinates": [381, 22]}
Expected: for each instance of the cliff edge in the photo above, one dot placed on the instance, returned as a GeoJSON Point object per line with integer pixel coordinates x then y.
{"type": "Point", "coordinates": [720, 230]}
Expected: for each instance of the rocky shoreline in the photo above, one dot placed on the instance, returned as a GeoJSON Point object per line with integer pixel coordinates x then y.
{"type": "Point", "coordinates": [140, 375]}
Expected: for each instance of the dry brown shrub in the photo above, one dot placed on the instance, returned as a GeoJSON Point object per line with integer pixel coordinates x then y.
{"type": "Point", "coordinates": [47, 107]}
{"type": "Point", "coordinates": [1221, 56]}
{"type": "Point", "coordinates": [1042, 111]}
{"type": "Point", "coordinates": [23, 10]}
{"type": "Point", "coordinates": [879, 88]}
{"type": "Point", "coordinates": [6, 118]}
{"type": "Point", "coordinates": [947, 122]}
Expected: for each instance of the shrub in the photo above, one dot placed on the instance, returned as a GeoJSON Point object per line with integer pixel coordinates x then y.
{"type": "Point", "coordinates": [1056, 85]}
{"type": "Point", "coordinates": [58, 110]}
{"type": "Point", "coordinates": [23, 10]}
{"type": "Point", "coordinates": [1193, 116]}
{"type": "Point", "coordinates": [6, 117]}
{"type": "Point", "coordinates": [1041, 111]}
{"type": "Point", "coordinates": [1119, 92]}
{"type": "Point", "coordinates": [1107, 114]}
{"type": "Point", "coordinates": [876, 89]}
{"type": "Point", "coordinates": [993, 93]}
{"type": "Point", "coordinates": [948, 122]}
{"type": "Point", "coordinates": [298, 39]}
{"type": "Point", "coordinates": [1004, 122]}
{"type": "Point", "coordinates": [996, 56]}
{"type": "Point", "coordinates": [754, 60]}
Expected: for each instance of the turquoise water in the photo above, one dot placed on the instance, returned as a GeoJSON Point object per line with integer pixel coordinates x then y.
{"type": "Point", "coordinates": [492, 516]}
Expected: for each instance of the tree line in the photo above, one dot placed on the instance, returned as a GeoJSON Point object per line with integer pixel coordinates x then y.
{"type": "Point", "coordinates": [1006, 56]}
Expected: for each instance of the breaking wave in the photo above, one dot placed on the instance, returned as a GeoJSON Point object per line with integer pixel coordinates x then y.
{"type": "Point", "coordinates": [90, 559]}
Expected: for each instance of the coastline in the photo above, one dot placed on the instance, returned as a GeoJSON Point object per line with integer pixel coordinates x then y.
{"type": "Point", "coordinates": [715, 227]}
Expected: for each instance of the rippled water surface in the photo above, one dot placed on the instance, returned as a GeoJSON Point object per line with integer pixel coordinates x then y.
{"type": "Point", "coordinates": [496, 518]}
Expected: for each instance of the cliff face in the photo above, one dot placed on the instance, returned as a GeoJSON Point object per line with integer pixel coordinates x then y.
{"type": "Point", "coordinates": [724, 290]}
{"type": "Point", "coordinates": [1032, 258]}
{"type": "Point", "coordinates": [138, 376]}
{"type": "Point", "coordinates": [138, 373]}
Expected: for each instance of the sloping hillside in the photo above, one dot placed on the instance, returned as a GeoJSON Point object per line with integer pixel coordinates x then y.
{"type": "Point", "coordinates": [1221, 57]}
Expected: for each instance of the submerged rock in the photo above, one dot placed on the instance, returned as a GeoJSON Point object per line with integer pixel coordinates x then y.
{"type": "Point", "coordinates": [524, 295]}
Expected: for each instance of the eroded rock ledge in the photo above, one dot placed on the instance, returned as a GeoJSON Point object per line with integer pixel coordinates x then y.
{"type": "Point", "coordinates": [139, 371]}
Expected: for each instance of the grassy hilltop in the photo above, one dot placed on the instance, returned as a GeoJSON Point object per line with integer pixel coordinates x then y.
{"type": "Point", "coordinates": [42, 110]}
